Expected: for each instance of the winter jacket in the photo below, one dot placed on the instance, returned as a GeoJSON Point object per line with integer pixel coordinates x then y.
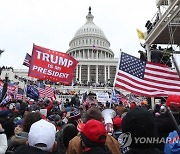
{"type": "Point", "coordinates": [76, 148]}
{"type": "Point", "coordinates": [25, 149]}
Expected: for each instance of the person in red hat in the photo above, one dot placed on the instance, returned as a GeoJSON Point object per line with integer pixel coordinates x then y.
{"type": "Point", "coordinates": [93, 137]}
{"type": "Point", "coordinates": [117, 121]}
{"type": "Point", "coordinates": [77, 145]}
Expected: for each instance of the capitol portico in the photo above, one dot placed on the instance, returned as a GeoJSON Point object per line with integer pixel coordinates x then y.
{"type": "Point", "coordinates": [92, 49]}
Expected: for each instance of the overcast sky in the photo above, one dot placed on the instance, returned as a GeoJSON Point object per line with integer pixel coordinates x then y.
{"type": "Point", "coordinates": [53, 23]}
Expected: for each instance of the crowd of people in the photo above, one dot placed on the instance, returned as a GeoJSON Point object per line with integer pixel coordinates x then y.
{"type": "Point", "coordinates": [80, 128]}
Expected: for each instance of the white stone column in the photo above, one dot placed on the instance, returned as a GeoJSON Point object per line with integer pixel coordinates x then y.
{"type": "Point", "coordinates": [96, 73]}
{"type": "Point", "coordinates": [80, 73]}
{"type": "Point", "coordinates": [97, 54]}
{"type": "Point", "coordinates": [76, 53]}
{"type": "Point", "coordinates": [88, 54]}
{"type": "Point", "coordinates": [77, 72]}
{"type": "Point", "coordinates": [79, 54]}
{"type": "Point", "coordinates": [105, 77]}
{"type": "Point", "coordinates": [108, 72]}
{"type": "Point", "coordinates": [83, 55]}
{"type": "Point", "coordinates": [88, 74]}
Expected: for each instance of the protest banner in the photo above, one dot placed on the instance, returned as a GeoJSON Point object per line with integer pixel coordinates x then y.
{"type": "Point", "coordinates": [51, 65]}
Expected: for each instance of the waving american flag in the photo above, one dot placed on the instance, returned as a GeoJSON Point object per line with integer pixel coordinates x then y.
{"type": "Point", "coordinates": [146, 78]}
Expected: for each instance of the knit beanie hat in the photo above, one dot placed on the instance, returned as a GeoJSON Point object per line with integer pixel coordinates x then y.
{"type": "Point", "coordinates": [140, 124]}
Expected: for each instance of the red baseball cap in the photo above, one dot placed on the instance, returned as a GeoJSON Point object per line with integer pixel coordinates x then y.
{"type": "Point", "coordinates": [93, 131]}
{"type": "Point", "coordinates": [173, 101]}
{"type": "Point", "coordinates": [117, 121]}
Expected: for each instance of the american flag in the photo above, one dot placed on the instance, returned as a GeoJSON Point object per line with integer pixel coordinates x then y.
{"type": "Point", "coordinates": [11, 88]}
{"type": "Point", "coordinates": [146, 78]}
{"type": "Point", "coordinates": [27, 60]}
{"type": "Point", "coordinates": [49, 92]}
{"type": "Point", "coordinates": [117, 96]}
{"type": "Point", "coordinates": [41, 89]}
{"type": "Point", "coordinates": [114, 97]}
{"type": "Point", "coordinates": [19, 94]}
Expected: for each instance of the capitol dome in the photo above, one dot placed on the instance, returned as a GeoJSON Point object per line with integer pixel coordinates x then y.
{"type": "Point", "coordinates": [90, 47]}
{"type": "Point", "coordinates": [89, 28]}
{"type": "Point", "coordinates": [88, 39]}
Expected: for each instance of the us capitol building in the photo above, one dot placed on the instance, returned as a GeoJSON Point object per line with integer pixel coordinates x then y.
{"type": "Point", "coordinates": [89, 46]}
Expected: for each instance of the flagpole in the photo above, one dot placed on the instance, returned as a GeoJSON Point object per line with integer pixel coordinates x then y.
{"type": "Point", "coordinates": [149, 59]}
{"type": "Point", "coordinates": [24, 94]}
{"type": "Point", "coordinates": [120, 50]}
{"type": "Point", "coordinates": [4, 97]}
{"type": "Point", "coordinates": [117, 66]}
{"type": "Point", "coordinates": [111, 97]}
{"type": "Point", "coordinates": [173, 120]}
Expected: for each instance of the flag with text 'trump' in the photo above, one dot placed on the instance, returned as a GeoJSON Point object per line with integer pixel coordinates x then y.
{"type": "Point", "coordinates": [52, 65]}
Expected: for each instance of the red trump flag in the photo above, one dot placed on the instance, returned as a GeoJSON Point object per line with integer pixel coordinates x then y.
{"type": "Point", "coordinates": [51, 65]}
